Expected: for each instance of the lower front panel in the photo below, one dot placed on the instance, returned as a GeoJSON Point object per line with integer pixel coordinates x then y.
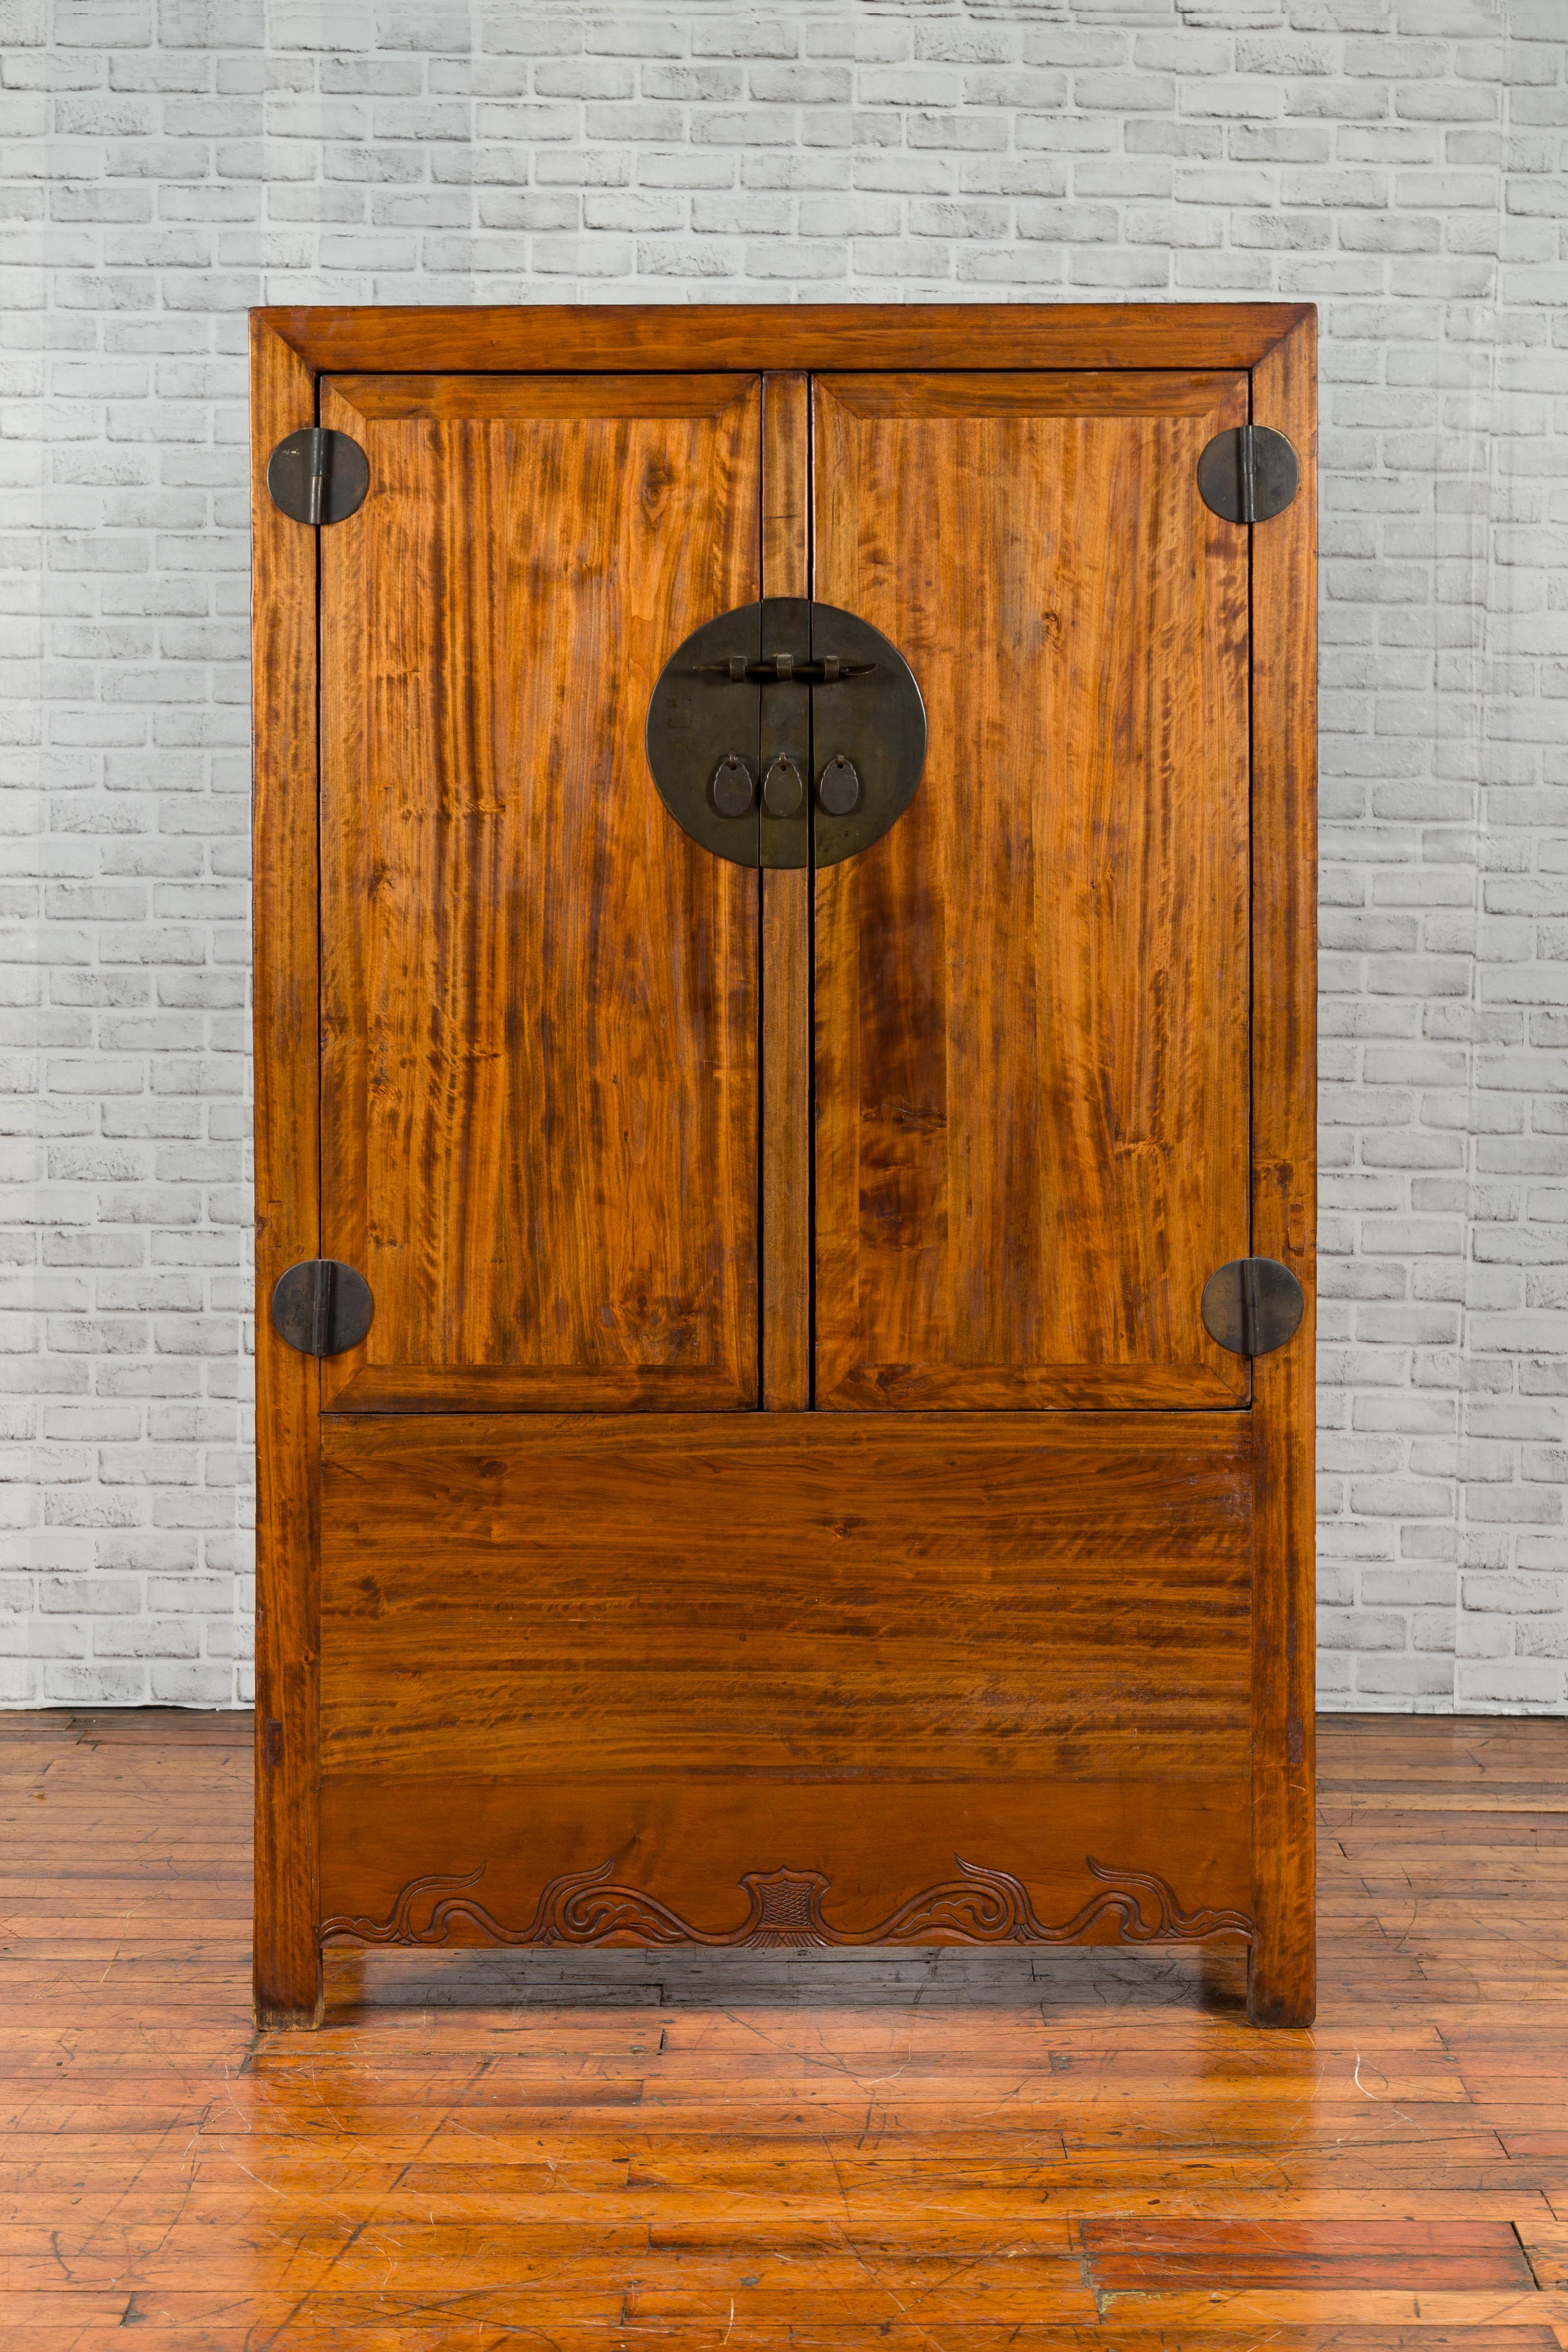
{"type": "Point", "coordinates": [786, 1679]}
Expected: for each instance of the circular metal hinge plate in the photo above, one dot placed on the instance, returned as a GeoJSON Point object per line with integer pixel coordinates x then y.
{"type": "Point", "coordinates": [318, 476]}
{"type": "Point", "coordinates": [707, 712]}
{"type": "Point", "coordinates": [322, 1307]}
{"type": "Point", "coordinates": [1252, 1306]}
{"type": "Point", "coordinates": [1249, 474]}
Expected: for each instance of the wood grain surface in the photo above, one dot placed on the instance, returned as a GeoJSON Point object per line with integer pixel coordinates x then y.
{"type": "Point", "coordinates": [539, 995]}
{"type": "Point", "coordinates": [285, 995]}
{"type": "Point", "coordinates": [1032, 994]}
{"type": "Point", "coordinates": [973, 2149]}
{"type": "Point", "coordinates": [786, 952]}
{"type": "Point", "coordinates": [1284, 1184]}
{"type": "Point", "coordinates": [789, 335]}
{"type": "Point", "coordinates": [994, 1594]}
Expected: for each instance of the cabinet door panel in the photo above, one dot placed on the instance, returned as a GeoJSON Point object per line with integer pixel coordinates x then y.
{"type": "Point", "coordinates": [1032, 994]}
{"type": "Point", "coordinates": [539, 1096]}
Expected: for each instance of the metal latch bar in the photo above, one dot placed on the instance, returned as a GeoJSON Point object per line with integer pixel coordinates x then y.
{"type": "Point", "coordinates": [783, 669]}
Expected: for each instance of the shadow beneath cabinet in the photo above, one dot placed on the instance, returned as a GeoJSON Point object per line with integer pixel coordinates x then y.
{"type": "Point", "coordinates": [1211, 1977]}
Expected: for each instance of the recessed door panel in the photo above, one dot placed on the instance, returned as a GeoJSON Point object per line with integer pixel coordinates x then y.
{"type": "Point", "coordinates": [1031, 995]}
{"type": "Point", "coordinates": [540, 1095]}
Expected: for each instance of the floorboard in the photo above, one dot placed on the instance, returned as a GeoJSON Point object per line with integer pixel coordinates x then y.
{"type": "Point", "coordinates": [952, 2151]}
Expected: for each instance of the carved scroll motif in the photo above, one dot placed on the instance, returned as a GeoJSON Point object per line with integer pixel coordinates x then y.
{"type": "Point", "coordinates": [784, 1910]}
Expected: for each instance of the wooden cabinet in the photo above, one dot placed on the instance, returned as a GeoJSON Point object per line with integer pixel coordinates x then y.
{"type": "Point", "coordinates": [788, 1491]}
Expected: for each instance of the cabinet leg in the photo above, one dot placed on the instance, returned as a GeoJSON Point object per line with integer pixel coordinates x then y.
{"type": "Point", "coordinates": [269, 2020]}
{"type": "Point", "coordinates": [1283, 1982]}
{"type": "Point", "coordinates": [287, 1964]}
{"type": "Point", "coordinates": [284, 1997]}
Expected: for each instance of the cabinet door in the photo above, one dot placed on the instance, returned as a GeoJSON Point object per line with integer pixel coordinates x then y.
{"type": "Point", "coordinates": [1032, 994]}
{"type": "Point", "coordinates": [539, 997]}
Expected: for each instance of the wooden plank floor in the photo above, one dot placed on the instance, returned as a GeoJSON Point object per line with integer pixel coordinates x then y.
{"type": "Point", "coordinates": [948, 2150]}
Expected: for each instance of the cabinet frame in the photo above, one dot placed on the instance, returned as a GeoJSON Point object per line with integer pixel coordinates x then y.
{"type": "Point", "coordinates": [291, 349]}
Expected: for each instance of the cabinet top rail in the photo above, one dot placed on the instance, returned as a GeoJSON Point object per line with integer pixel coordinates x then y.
{"type": "Point", "coordinates": [566, 337]}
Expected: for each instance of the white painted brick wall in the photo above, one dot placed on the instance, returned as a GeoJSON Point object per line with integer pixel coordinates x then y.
{"type": "Point", "coordinates": [1399, 162]}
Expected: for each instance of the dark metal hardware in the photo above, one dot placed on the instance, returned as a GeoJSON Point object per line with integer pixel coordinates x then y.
{"type": "Point", "coordinates": [1252, 1306]}
{"type": "Point", "coordinates": [782, 791]}
{"type": "Point", "coordinates": [1249, 474]}
{"type": "Point", "coordinates": [838, 787]}
{"type": "Point", "coordinates": [781, 699]}
{"type": "Point", "coordinates": [319, 476]}
{"type": "Point", "coordinates": [784, 669]}
{"type": "Point", "coordinates": [733, 790]}
{"type": "Point", "coordinates": [752, 691]}
{"type": "Point", "coordinates": [321, 1307]}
